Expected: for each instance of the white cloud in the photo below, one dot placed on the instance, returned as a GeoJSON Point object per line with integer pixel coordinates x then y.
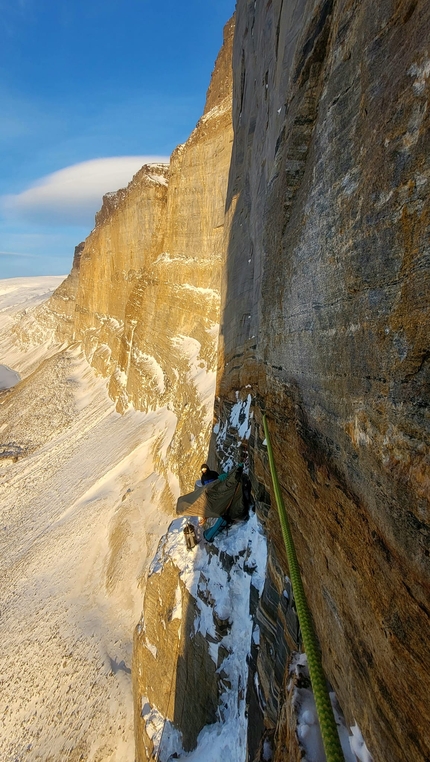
{"type": "Point", "coordinates": [15, 254]}
{"type": "Point", "coordinates": [73, 195]}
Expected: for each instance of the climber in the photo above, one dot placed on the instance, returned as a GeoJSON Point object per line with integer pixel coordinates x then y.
{"type": "Point", "coordinates": [227, 498]}
{"type": "Point", "coordinates": [207, 475]}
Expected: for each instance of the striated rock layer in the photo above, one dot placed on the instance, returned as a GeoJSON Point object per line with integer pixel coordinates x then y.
{"type": "Point", "coordinates": [325, 318]}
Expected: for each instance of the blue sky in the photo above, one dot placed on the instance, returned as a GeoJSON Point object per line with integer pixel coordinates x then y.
{"type": "Point", "coordinates": [82, 82]}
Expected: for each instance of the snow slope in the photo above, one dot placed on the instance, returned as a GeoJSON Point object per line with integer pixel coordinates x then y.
{"type": "Point", "coordinates": [18, 298]}
{"type": "Point", "coordinates": [24, 293]}
{"type": "Point", "coordinates": [79, 523]}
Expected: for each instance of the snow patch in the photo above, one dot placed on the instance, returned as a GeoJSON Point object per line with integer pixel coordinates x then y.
{"type": "Point", "coordinates": [149, 365]}
{"type": "Point", "coordinates": [267, 751]}
{"type": "Point", "coordinates": [358, 745]}
{"type": "Point", "coordinates": [308, 730]}
{"type": "Point", "coordinates": [112, 323]}
{"type": "Point", "coordinates": [160, 731]}
{"type": "Point", "coordinates": [120, 377]}
{"type": "Point", "coordinates": [215, 112]}
{"type": "Point", "coordinates": [151, 648]}
{"type": "Point", "coordinates": [199, 375]}
{"type": "Point", "coordinates": [177, 608]}
{"type": "Point", "coordinates": [159, 179]}
{"type": "Point", "coordinates": [421, 74]}
{"type": "Point", "coordinates": [166, 259]}
{"type": "Point", "coordinates": [240, 419]}
{"type": "Point", "coordinates": [8, 377]}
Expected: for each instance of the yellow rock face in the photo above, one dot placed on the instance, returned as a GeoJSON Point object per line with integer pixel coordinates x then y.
{"type": "Point", "coordinates": [123, 246]}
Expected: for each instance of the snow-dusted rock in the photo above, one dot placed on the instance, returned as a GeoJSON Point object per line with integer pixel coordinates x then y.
{"type": "Point", "coordinates": [193, 644]}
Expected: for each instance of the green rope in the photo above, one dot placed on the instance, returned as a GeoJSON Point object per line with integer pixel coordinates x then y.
{"type": "Point", "coordinates": [332, 747]}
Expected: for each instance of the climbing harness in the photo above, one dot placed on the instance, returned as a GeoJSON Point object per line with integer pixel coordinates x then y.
{"type": "Point", "coordinates": [327, 722]}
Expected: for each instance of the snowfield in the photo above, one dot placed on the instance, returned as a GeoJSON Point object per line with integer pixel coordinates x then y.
{"type": "Point", "coordinates": [79, 524]}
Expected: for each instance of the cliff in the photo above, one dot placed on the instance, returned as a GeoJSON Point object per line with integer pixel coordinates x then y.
{"type": "Point", "coordinates": [325, 322]}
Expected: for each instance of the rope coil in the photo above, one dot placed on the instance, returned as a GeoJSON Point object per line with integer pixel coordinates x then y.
{"type": "Point", "coordinates": [327, 722]}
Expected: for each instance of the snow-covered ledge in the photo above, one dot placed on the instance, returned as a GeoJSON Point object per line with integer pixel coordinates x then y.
{"type": "Point", "coordinates": [193, 643]}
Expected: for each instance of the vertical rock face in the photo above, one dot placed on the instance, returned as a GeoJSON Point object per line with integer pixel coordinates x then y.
{"type": "Point", "coordinates": [63, 301]}
{"type": "Point", "coordinates": [325, 316]}
{"type": "Point", "coordinates": [170, 677]}
{"type": "Point", "coordinates": [125, 242]}
{"type": "Point", "coordinates": [119, 252]}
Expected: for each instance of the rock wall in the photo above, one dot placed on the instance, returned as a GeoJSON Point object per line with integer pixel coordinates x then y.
{"type": "Point", "coordinates": [126, 240]}
{"type": "Point", "coordinates": [63, 301]}
{"type": "Point", "coordinates": [325, 322]}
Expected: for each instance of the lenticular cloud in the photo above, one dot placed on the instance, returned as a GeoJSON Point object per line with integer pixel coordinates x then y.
{"type": "Point", "coordinates": [72, 195]}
